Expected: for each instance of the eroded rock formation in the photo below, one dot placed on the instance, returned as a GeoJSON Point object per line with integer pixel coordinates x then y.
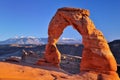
{"type": "Point", "coordinates": [96, 55]}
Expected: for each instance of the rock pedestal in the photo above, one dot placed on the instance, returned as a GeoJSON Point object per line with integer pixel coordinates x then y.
{"type": "Point", "coordinates": [96, 55]}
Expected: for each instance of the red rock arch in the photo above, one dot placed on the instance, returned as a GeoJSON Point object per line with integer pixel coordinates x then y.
{"type": "Point", "coordinates": [96, 54]}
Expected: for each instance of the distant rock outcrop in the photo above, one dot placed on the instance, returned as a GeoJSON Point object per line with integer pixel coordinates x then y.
{"type": "Point", "coordinates": [115, 48]}
{"type": "Point", "coordinates": [96, 56]}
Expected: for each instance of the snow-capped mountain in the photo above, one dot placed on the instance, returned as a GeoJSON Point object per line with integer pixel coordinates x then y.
{"type": "Point", "coordinates": [34, 40]}
{"type": "Point", "coordinates": [69, 41]}
{"type": "Point", "coordinates": [24, 40]}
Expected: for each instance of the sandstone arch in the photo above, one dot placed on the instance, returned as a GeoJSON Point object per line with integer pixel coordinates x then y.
{"type": "Point", "coordinates": [96, 55]}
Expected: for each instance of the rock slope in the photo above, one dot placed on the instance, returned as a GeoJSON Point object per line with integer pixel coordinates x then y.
{"type": "Point", "coordinates": [34, 72]}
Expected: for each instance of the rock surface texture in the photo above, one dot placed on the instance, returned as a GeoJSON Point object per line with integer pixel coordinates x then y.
{"type": "Point", "coordinates": [96, 56]}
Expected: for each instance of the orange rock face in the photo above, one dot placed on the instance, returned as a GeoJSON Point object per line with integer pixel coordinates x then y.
{"type": "Point", "coordinates": [96, 54]}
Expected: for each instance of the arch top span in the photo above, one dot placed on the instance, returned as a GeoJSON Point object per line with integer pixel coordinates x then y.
{"type": "Point", "coordinates": [82, 11]}
{"type": "Point", "coordinates": [96, 55]}
{"type": "Point", "coordinates": [69, 16]}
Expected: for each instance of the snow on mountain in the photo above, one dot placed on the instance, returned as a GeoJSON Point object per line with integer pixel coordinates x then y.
{"type": "Point", "coordinates": [22, 40]}
{"type": "Point", "coordinates": [34, 40]}
{"type": "Point", "coordinates": [69, 41]}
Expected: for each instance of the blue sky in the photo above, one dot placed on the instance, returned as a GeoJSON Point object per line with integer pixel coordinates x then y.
{"type": "Point", "coordinates": [32, 17]}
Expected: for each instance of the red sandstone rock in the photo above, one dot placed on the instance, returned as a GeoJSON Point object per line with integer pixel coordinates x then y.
{"type": "Point", "coordinates": [96, 55]}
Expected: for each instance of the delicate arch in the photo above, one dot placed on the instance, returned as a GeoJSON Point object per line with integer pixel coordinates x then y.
{"type": "Point", "coordinates": [96, 53]}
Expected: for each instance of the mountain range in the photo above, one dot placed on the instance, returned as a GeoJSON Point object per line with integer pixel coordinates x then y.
{"type": "Point", "coordinates": [37, 41]}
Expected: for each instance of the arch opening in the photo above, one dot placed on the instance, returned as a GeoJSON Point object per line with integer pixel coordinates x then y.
{"type": "Point", "coordinates": [70, 46]}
